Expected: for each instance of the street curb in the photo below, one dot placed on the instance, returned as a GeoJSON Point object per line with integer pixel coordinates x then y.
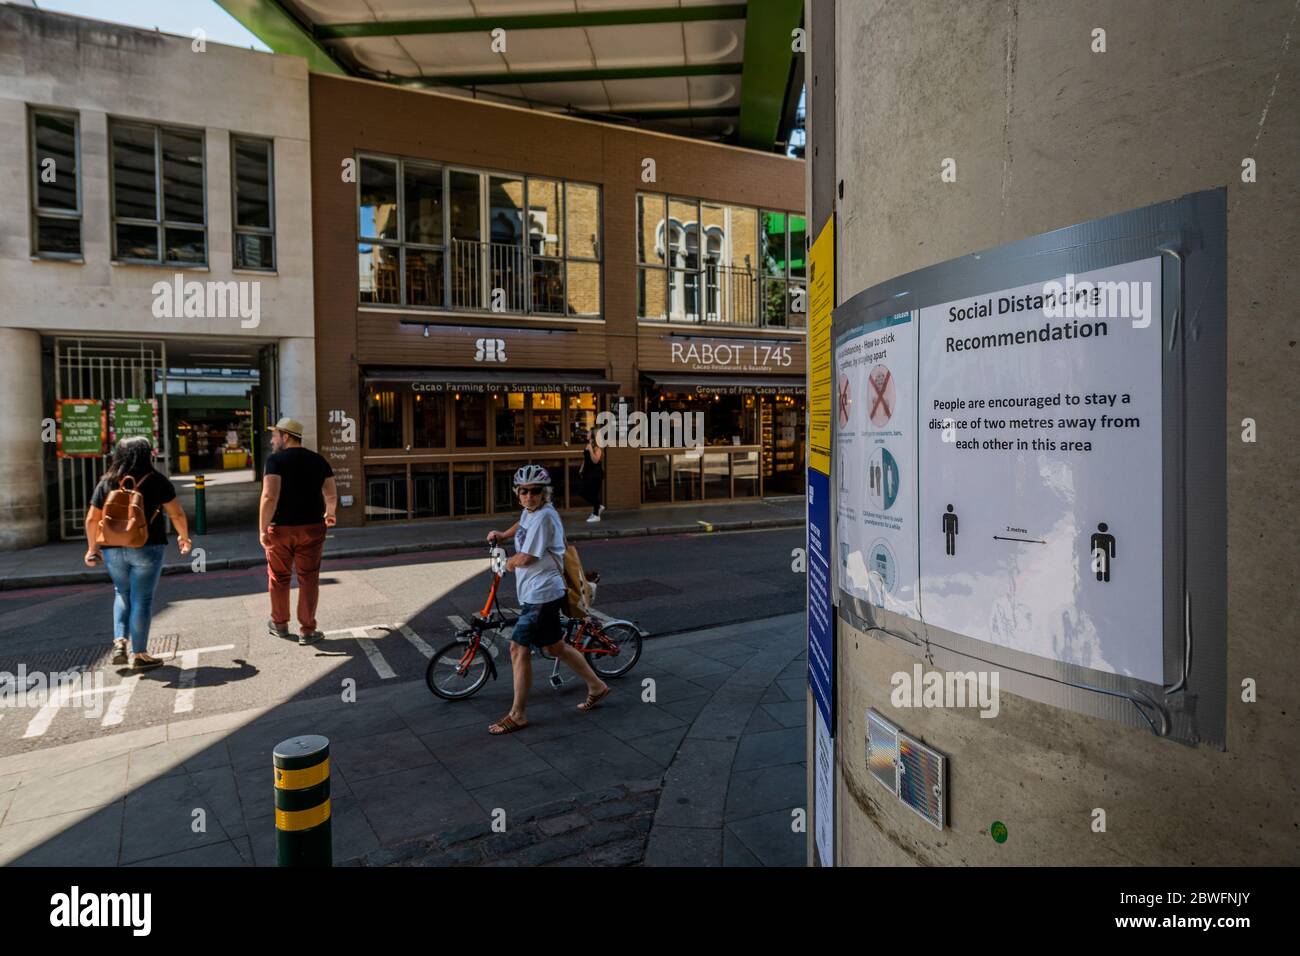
{"type": "Point", "coordinates": [21, 582]}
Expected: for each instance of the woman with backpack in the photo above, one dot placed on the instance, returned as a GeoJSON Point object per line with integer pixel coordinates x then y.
{"type": "Point", "coordinates": [539, 578]}
{"type": "Point", "coordinates": [124, 526]}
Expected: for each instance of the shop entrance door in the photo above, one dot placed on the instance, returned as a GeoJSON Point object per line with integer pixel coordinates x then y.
{"type": "Point", "coordinates": [102, 370]}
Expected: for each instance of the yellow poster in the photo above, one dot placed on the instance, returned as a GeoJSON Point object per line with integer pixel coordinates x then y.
{"type": "Point", "coordinates": [821, 303]}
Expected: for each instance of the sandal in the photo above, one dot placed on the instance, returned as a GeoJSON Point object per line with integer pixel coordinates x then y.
{"type": "Point", "coordinates": [594, 699]}
{"type": "Point", "coordinates": [506, 725]}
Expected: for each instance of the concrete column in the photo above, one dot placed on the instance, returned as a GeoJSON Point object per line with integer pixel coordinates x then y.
{"type": "Point", "coordinates": [22, 475]}
{"type": "Point", "coordinates": [298, 384]}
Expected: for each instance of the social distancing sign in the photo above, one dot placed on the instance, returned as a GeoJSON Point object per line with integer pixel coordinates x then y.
{"type": "Point", "coordinates": [1000, 470]}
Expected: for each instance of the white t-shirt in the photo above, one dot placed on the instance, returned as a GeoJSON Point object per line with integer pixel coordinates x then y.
{"type": "Point", "coordinates": [540, 534]}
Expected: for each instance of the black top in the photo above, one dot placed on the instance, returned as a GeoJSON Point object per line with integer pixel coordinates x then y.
{"type": "Point", "coordinates": [591, 469]}
{"type": "Point", "coordinates": [157, 490]}
{"type": "Point", "coordinates": [302, 473]}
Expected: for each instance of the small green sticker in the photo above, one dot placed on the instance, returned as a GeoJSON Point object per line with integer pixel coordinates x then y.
{"type": "Point", "coordinates": [998, 831]}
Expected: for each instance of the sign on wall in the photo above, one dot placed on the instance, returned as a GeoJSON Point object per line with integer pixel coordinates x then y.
{"type": "Point", "coordinates": [80, 428]}
{"type": "Point", "coordinates": [133, 418]}
{"type": "Point", "coordinates": [999, 467]}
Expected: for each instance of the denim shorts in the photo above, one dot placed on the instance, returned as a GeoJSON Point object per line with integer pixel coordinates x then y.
{"type": "Point", "coordinates": [538, 624]}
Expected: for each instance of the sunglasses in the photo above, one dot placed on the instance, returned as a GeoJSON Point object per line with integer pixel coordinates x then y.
{"type": "Point", "coordinates": [531, 491]}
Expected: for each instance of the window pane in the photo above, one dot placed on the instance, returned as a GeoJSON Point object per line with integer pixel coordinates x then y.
{"type": "Point", "coordinates": [548, 286]}
{"type": "Point", "coordinates": [582, 416]}
{"type": "Point", "coordinates": [470, 485]}
{"type": "Point", "coordinates": [383, 418]}
{"type": "Point", "coordinates": [654, 478]}
{"type": "Point", "coordinates": [773, 239]}
{"type": "Point", "coordinates": [683, 296]}
{"type": "Point", "coordinates": [744, 471]}
{"type": "Point", "coordinates": [506, 210]}
{"type": "Point", "coordinates": [137, 242]}
{"type": "Point", "coordinates": [378, 208]}
{"type": "Point", "coordinates": [253, 183]}
{"type": "Point", "coordinates": [386, 493]}
{"type": "Point", "coordinates": [555, 466]}
{"type": "Point", "coordinates": [510, 419]}
{"type": "Point", "coordinates": [546, 419]}
{"type": "Point", "coordinates": [798, 240]}
{"type": "Point", "coordinates": [651, 290]}
{"type": "Point", "coordinates": [429, 421]}
{"type": "Point", "coordinates": [584, 288]}
{"type": "Point", "coordinates": [430, 485]}
{"type": "Point", "coordinates": [254, 251]}
{"type": "Point", "coordinates": [471, 419]}
{"type": "Point", "coordinates": [465, 206]}
{"type": "Point", "coordinates": [742, 238]}
{"type": "Point", "coordinates": [774, 302]}
{"type": "Point", "coordinates": [583, 211]}
{"type": "Point", "coordinates": [423, 198]}
{"type": "Point", "coordinates": [797, 320]}
{"type": "Point", "coordinates": [377, 273]}
{"type": "Point", "coordinates": [134, 183]}
{"type": "Point", "coordinates": [545, 222]}
{"type": "Point", "coordinates": [504, 497]}
{"type": "Point", "coordinates": [56, 140]}
{"type": "Point", "coordinates": [717, 475]}
{"type": "Point", "coordinates": [686, 478]}
{"type": "Point", "coordinates": [61, 236]}
{"type": "Point", "coordinates": [189, 246]}
{"type": "Point", "coordinates": [650, 242]}
{"type": "Point", "coordinates": [683, 233]}
{"type": "Point", "coordinates": [424, 285]}
{"type": "Point", "coordinates": [182, 155]}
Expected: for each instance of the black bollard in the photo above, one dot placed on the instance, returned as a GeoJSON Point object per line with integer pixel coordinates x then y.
{"type": "Point", "coordinates": [303, 835]}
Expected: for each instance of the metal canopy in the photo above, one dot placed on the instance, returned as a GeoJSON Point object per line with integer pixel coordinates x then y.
{"type": "Point", "coordinates": [719, 71]}
{"type": "Point", "coordinates": [785, 384]}
{"type": "Point", "coordinates": [518, 380]}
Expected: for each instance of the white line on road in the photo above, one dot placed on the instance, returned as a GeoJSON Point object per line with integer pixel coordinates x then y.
{"type": "Point", "coordinates": [415, 639]}
{"type": "Point", "coordinates": [116, 710]}
{"type": "Point", "coordinates": [372, 654]}
{"type": "Point", "coordinates": [189, 673]}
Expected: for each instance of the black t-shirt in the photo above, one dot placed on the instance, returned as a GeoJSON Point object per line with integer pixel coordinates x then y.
{"type": "Point", "coordinates": [156, 489]}
{"type": "Point", "coordinates": [302, 472]}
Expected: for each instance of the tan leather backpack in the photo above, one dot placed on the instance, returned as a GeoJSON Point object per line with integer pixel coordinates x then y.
{"type": "Point", "coordinates": [123, 524]}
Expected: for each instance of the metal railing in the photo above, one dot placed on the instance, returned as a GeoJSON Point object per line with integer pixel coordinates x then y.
{"type": "Point", "coordinates": [488, 275]}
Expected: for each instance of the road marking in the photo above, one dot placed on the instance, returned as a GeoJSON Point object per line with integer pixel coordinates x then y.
{"type": "Point", "coordinates": [189, 673]}
{"type": "Point", "coordinates": [116, 710]}
{"type": "Point", "coordinates": [415, 639]}
{"type": "Point", "coordinates": [372, 654]}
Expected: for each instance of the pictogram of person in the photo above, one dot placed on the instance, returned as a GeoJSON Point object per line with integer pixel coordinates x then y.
{"type": "Point", "coordinates": [1103, 552]}
{"type": "Point", "coordinates": [950, 531]}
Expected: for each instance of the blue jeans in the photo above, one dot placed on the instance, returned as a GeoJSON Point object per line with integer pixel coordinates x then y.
{"type": "Point", "coordinates": [135, 573]}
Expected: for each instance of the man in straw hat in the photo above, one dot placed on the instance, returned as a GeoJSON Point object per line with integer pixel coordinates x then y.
{"type": "Point", "coordinates": [299, 499]}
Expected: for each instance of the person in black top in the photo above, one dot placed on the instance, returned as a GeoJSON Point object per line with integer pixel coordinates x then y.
{"type": "Point", "coordinates": [135, 571]}
{"type": "Point", "coordinates": [299, 499]}
{"type": "Point", "coordinates": [592, 475]}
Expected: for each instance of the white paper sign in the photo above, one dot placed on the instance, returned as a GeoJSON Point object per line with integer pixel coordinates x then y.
{"type": "Point", "coordinates": [1040, 516]}
{"type": "Point", "coordinates": [825, 793]}
{"type": "Point", "coordinates": [876, 445]}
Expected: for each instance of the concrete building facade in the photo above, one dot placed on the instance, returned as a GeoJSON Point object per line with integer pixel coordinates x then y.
{"type": "Point", "coordinates": [156, 245]}
{"type": "Point", "coordinates": [1050, 123]}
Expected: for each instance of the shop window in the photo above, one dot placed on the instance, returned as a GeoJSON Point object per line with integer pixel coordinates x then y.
{"type": "Point", "coordinates": [431, 488]}
{"type": "Point", "coordinates": [510, 415]}
{"type": "Point", "coordinates": [559, 480]}
{"type": "Point", "coordinates": [504, 498]}
{"type": "Point", "coordinates": [384, 418]}
{"type": "Point", "coordinates": [469, 488]}
{"type": "Point", "coordinates": [716, 468]}
{"type": "Point", "coordinates": [730, 420]}
{"type": "Point", "coordinates": [546, 419]}
{"type": "Point", "coordinates": [429, 420]}
{"type": "Point", "coordinates": [252, 162]}
{"type": "Point", "coordinates": [744, 474]}
{"type": "Point", "coordinates": [470, 411]}
{"type": "Point", "coordinates": [386, 493]}
{"type": "Point", "coordinates": [582, 416]}
{"type": "Point", "coordinates": [575, 482]}
{"type": "Point", "coordinates": [149, 162]}
{"type": "Point", "coordinates": [56, 184]}
{"type": "Point", "coordinates": [686, 477]}
{"type": "Point", "coordinates": [655, 485]}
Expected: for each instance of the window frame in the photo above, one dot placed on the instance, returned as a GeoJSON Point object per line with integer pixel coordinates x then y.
{"type": "Point", "coordinates": [161, 224]}
{"type": "Point", "coordinates": [36, 211]}
{"type": "Point", "coordinates": [235, 228]}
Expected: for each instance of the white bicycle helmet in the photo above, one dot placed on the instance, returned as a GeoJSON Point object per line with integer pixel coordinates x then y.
{"type": "Point", "coordinates": [532, 475]}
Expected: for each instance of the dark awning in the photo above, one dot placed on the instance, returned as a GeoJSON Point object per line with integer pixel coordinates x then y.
{"type": "Point", "coordinates": [490, 380]}
{"type": "Point", "coordinates": [730, 384]}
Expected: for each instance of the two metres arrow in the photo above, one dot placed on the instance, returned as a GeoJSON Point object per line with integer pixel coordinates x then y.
{"type": "Point", "coordinates": [1025, 540]}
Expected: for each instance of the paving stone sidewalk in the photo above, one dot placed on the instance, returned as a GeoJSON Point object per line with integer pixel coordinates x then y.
{"type": "Point", "coordinates": [60, 563]}
{"type": "Point", "coordinates": [705, 774]}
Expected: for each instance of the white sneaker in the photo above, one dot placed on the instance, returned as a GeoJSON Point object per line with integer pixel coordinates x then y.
{"type": "Point", "coordinates": [601, 511]}
{"type": "Point", "coordinates": [592, 518]}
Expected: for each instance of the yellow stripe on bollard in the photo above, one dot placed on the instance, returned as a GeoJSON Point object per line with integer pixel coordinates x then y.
{"type": "Point", "coordinates": [295, 820]}
{"type": "Point", "coordinates": [301, 779]}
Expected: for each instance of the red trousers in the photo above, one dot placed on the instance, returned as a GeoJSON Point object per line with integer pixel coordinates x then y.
{"type": "Point", "coordinates": [298, 548]}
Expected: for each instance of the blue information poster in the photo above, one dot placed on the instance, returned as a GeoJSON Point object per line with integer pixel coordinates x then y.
{"type": "Point", "coordinates": [821, 654]}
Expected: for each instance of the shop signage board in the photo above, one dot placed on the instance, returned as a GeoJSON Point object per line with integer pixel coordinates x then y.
{"type": "Point", "coordinates": [81, 428]}
{"type": "Point", "coordinates": [133, 418]}
{"type": "Point", "coordinates": [678, 352]}
{"type": "Point", "coordinates": [1001, 468]}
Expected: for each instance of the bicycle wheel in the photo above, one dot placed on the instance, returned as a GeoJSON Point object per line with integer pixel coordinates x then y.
{"type": "Point", "coordinates": [444, 674]}
{"type": "Point", "coordinates": [624, 637]}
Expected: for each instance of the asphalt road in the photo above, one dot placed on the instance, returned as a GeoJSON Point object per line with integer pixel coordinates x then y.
{"type": "Point", "coordinates": [380, 617]}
